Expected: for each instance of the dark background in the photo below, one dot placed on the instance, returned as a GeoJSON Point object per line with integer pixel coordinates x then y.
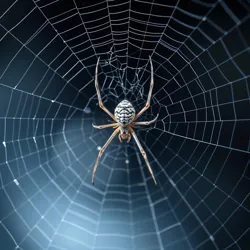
{"type": "Point", "coordinates": [198, 149]}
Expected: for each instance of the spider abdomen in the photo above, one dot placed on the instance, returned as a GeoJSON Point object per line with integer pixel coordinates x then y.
{"type": "Point", "coordinates": [124, 112]}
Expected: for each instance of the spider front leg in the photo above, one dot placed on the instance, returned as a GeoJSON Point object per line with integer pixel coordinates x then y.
{"type": "Point", "coordinates": [145, 122]}
{"type": "Point", "coordinates": [101, 152]}
{"type": "Point", "coordinates": [149, 93]}
{"type": "Point", "coordinates": [143, 154]}
{"type": "Point", "coordinates": [98, 93]}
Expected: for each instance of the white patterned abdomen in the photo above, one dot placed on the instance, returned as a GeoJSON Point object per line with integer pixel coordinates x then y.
{"type": "Point", "coordinates": [124, 112]}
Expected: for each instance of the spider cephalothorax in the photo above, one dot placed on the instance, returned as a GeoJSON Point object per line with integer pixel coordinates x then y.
{"type": "Point", "coordinates": [125, 120]}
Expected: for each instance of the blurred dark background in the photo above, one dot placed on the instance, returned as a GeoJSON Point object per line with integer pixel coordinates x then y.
{"type": "Point", "coordinates": [199, 148]}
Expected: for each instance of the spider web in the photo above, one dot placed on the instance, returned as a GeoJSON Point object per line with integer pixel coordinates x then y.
{"type": "Point", "coordinates": [198, 148]}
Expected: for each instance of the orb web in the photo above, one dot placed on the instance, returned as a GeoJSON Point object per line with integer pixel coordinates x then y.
{"type": "Point", "coordinates": [198, 148]}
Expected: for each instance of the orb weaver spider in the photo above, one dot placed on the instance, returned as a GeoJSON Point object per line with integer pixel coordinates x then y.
{"type": "Point", "coordinates": [125, 120]}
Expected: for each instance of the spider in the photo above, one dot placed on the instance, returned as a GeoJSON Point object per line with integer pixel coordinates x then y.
{"type": "Point", "coordinates": [125, 120]}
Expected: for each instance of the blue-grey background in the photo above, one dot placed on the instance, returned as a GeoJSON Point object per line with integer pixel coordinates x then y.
{"type": "Point", "coordinates": [198, 149]}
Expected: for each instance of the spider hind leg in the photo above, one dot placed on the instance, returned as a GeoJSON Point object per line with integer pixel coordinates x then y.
{"type": "Point", "coordinates": [101, 152]}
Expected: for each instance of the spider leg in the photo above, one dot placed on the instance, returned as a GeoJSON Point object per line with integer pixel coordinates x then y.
{"type": "Point", "coordinates": [146, 122]}
{"type": "Point", "coordinates": [143, 154]}
{"type": "Point", "coordinates": [129, 138]}
{"type": "Point", "coordinates": [120, 139]}
{"type": "Point", "coordinates": [98, 93]}
{"type": "Point", "coordinates": [114, 125]}
{"type": "Point", "coordinates": [149, 93]}
{"type": "Point", "coordinates": [102, 150]}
